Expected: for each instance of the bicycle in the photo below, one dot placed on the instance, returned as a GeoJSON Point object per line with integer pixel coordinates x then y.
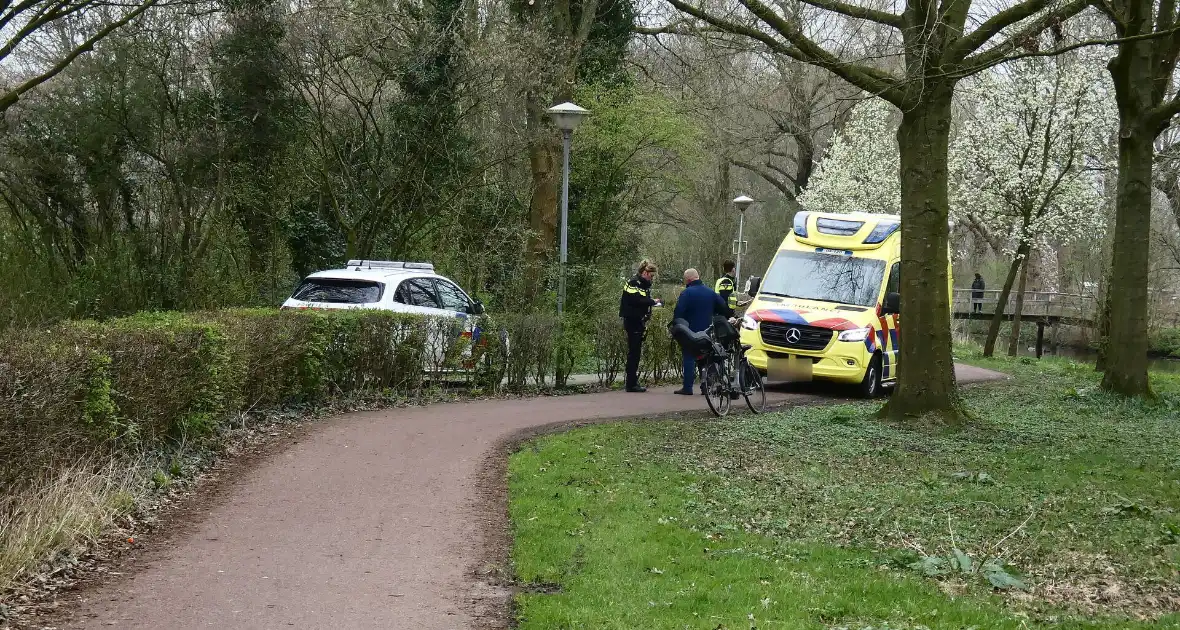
{"type": "Point", "coordinates": [724, 370]}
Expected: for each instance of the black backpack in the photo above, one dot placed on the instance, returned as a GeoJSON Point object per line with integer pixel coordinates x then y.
{"type": "Point", "coordinates": [726, 334]}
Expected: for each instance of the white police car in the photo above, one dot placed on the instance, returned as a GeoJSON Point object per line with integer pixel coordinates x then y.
{"type": "Point", "coordinates": [403, 287]}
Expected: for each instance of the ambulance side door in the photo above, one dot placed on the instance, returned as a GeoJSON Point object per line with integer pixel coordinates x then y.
{"type": "Point", "coordinates": [890, 322]}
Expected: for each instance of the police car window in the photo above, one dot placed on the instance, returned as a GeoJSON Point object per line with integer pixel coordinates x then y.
{"type": "Point", "coordinates": [338, 291]}
{"type": "Point", "coordinates": [452, 298]}
{"type": "Point", "coordinates": [420, 292]}
{"type": "Point", "coordinates": [402, 295]}
{"type": "Point", "coordinates": [894, 285]}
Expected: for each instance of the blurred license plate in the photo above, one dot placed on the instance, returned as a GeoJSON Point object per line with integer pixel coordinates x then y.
{"type": "Point", "coordinates": [792, 369]}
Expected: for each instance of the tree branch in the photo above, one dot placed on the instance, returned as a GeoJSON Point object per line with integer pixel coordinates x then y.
{"type": "Point", "coordinates": [1162, 115]}
{"type": "Point", "coordinates": [967, 69]}
{"type": "Point", "coordinates": [999, 53]}
{"type": "Point", "coordinates": [872, 80]}
{"type": "Point", "coordinates": [10, 98]}
{"type": "Point", "coordinates": [857, 12]}
{"type": "Point", "coordinates": [982, 35]}
{"type": "Point", "coordinates": [739, 29]}
{"type": "Point", "coordinates": [786, 190]}
{"type": "Point", "coordinates": [678, 27]}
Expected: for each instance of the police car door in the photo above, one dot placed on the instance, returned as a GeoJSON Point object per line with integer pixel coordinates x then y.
{"type": "Point", "coordinates": [458, 305]}
{"type": "Point", "coordinates": [421, 298]}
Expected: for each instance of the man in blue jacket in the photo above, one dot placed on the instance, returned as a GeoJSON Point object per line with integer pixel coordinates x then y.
{"type": "Point", "coordinates": [697, 306]}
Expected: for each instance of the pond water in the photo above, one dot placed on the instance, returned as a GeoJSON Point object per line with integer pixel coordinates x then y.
{"type": "Point", "coordinates": [1084, 355]}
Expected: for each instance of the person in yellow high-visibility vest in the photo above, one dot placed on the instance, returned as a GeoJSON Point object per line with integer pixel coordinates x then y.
{"type": "Point", "coordinates": [726, 285]}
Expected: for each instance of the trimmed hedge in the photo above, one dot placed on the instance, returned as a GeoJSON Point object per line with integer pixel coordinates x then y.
{"type": "Point", "coordinates": [149, 380]}
{"type": "Point", "coordinates": [170, 375]}
{"type": "Point", "coordinates": [56, 398]}
{"type": "Point", "coordinates": [156, 379]}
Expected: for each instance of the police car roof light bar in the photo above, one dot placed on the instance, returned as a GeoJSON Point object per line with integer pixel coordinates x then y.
{"type": "Point", "coordinates": [390, 264]}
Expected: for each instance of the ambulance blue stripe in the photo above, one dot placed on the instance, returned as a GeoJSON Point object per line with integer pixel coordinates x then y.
{"type": "Point", "coordinates": [789, 316]}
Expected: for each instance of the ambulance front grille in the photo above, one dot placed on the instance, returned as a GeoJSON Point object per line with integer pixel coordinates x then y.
{"type": "Point", "coordinates": [810, 338]}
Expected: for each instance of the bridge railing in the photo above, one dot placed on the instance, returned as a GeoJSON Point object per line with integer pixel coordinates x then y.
{"type": "Point", "coordinates": [1036, 303]}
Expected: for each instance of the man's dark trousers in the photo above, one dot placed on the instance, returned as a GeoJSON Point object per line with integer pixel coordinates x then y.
{"type": "Point", "coordinates": [635, 332]}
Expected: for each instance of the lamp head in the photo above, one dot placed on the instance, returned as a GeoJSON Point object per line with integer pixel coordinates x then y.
{"type": "Point", "coordinates": [742, 203]}
{"type": "Point", "coordinates": [567, 116]}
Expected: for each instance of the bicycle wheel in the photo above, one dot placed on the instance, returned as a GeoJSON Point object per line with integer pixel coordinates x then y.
{"type": "Point", "coordinates": [716, 394]}
{"type": "Point", "coordinates": [753, 387]}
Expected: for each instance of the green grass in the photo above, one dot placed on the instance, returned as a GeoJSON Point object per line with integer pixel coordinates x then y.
{"type": "Point", "coordinates": [827, 518]}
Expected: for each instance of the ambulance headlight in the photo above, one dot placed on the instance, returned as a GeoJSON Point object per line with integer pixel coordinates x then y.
{"type": "Point", "coordinates": [749, 323]}
{"type": "Point", "coordinates": [883, 231]}
{"type": "Point", "coordinates": [856, 334]}
{"type": "Point", "coordinates": [800, 225]}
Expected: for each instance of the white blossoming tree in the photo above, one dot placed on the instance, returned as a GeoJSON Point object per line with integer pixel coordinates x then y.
{"type": "Point", "coordinates": [859, 171]}
{"type": "Point", "coordinates": [1022, 161]}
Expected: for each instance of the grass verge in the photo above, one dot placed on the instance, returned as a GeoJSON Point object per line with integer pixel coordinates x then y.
{"type": "Point", "coordinates": [56, 513]}
{"type": "Point", "coordinates": [1056, 509]}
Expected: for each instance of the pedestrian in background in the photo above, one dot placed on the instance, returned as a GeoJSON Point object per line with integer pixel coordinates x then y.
{"type": "Point", "coordinates": [635, 310]}
{"type": "Point", "coordinates": [697, 305]}
{"type": "Point", "coordinates": [977, 289]}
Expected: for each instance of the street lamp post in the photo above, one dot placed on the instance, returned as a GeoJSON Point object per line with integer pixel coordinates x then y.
{"type": "Point", "coordinates": [741, 203]}
{"type": "Point", "coordinates": [566, 117]}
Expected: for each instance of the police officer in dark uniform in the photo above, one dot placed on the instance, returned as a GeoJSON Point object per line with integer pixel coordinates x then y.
{"type": "Point", "coordinates": [635, 310]}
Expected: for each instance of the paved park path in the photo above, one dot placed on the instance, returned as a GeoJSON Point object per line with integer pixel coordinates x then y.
{"type": "Point", "coordinates": [371, 520]}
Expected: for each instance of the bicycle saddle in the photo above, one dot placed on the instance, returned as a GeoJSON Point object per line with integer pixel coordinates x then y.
{"type": "Point", "coordinates": [687, 338]}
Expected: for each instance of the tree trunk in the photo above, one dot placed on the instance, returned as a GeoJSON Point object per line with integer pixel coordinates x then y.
{"type": "Point", "coordinates": [1048, 270]}
{"type": "Point", "coordinates": [993, 329]}
{"type": "Point", "coordinates": [546, 175]}
{"type": "Point", "coordinates": [1126, 349]}
{"type": "Point", "coordinates": [1103, 324]}
{"type": "Point", "coordinates": [926, 383]}
{"type": "Point", "coordinates": [1014, 337]}
{"type": "Point", "coordinates": [544, 168]}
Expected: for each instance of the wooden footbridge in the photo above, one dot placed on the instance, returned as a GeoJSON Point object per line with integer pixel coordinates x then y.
{"type": "Point", "coordinates": [1042, 308]}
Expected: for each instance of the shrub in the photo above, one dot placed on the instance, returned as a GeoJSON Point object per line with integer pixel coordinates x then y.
{"type": "Point", "coordinates": [1165, 342]}
{"type": "Point", "coordinates": [610, 348]}
{"type": "Point", "coordinates": [571, 347]}
{"type": "Point", "coordinates": [445, 346]}
{"type": "Point", "coordinates": [171, 376]}
{"type": "Point", "coordinates": [373, 351]}
{"type": "Point", "coordinates": [490, 355]}
{"type": "Point", "coordinates": [277, 355]}
{"type": "Point", "coordinates": [530, 347]}
{"type": "Point", "coordinates": [57, 403]}
{"type": "Point", "coordinates": [661, 355]}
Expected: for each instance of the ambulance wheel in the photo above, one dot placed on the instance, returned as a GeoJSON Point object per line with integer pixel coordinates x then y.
{"type": "Point", "coordinates": [870, 386]}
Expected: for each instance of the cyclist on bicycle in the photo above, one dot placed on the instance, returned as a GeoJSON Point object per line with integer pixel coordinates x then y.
{"type": "Point", "coordinates": [697, 306]}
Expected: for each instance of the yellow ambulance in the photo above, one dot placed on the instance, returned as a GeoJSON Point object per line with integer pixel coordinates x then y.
{"type": "Point", "coordinates": [827, 307]}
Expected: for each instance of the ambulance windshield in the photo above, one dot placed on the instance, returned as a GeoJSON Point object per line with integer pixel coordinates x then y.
{"type": "Point", "coordinates": [825, 277]}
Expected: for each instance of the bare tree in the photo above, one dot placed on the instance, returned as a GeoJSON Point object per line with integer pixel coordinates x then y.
{"type": "Point", "coordinates": [22, 22]}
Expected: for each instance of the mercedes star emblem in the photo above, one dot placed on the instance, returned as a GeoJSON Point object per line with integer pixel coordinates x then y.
{"type": "Point", "coordinates": [793, 335]}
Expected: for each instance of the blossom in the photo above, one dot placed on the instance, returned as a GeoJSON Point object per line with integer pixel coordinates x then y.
{"type": "Point", "coordinates": [1022, 159]}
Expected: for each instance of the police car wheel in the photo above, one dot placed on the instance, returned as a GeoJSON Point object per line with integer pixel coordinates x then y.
{"type": "Point", "coordinates": [870, 386]}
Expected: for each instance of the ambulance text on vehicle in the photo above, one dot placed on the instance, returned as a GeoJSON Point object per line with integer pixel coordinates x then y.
{"type": "Point", "coordinates": [827, 308]}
